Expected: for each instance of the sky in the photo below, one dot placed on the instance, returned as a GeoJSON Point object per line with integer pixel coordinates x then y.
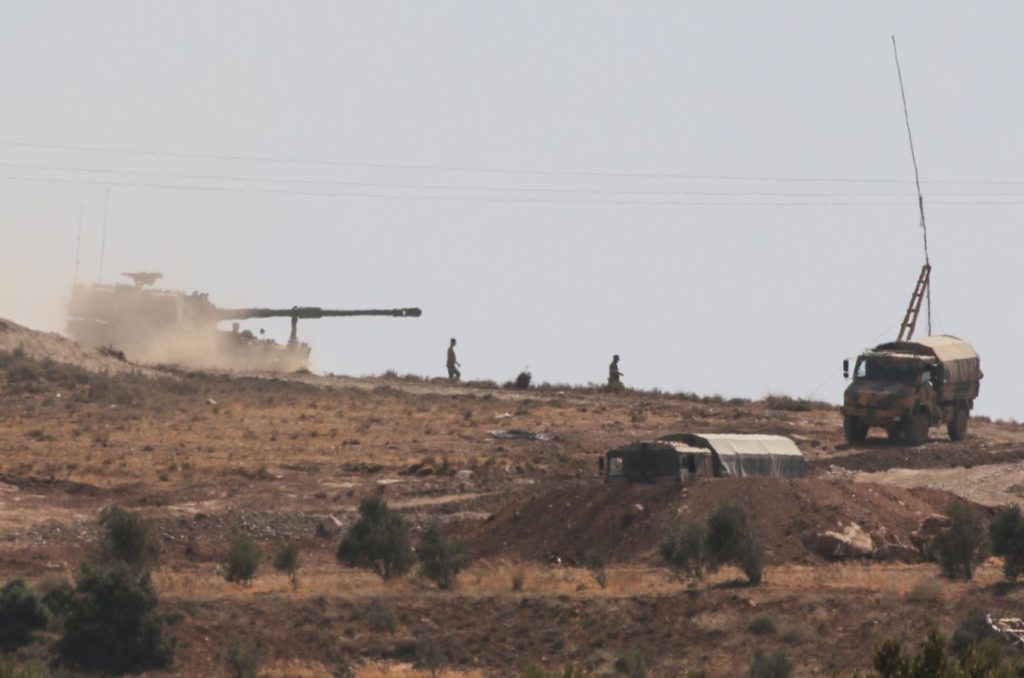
{"type": "Point", "coordinates": [721, 193]}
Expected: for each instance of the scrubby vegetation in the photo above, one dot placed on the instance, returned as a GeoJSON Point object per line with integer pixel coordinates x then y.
{"type": "Point", "coordinates": [287, 562]}
{"type": "Point", "coordinates": [595, 561]}
{"type": "Point", "coordinates": [243, 659]}
{"type": "Point", "coordinates": [441, 561]}
{"type": "Point", "coordinates": [1006, 533]}
{"type": "Point", "coordinates": [635, 663]}
{"type": "Point", "coordinates": [112, 624]}
{"type": "Point", "coordinates": [685, 550]}
{"type": "Point", "coordinates": [730, 540]}
{"type": "Point", "coordinates": [984, 658]}
{"type": "Point", "coordinates": [21, 614]}
{"type": "Point", "coordinates": [774, 665]}
{"type": "Point", "coordinates": [378, 541]}
{"type": "Point", "coordinates": [961, 547]}
{"type": "Point", "coordinates": [380, 617]}
{"type": "Point", "coordinates": [244, 556]}
{"type": "Point", "coordinates": [727, 539]}
{"type": "Point", "coordinates": [126, 538]}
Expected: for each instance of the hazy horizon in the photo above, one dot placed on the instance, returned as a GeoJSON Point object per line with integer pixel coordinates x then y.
{"type": "Point", "coordinates": [722, 195]}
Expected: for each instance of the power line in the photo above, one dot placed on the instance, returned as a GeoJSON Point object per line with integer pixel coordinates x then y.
{"type": "Point", "coordinates": [410, 166]}
{"type": "Point", "coordinates": [450, 187]}
{"type": "Point", "coordinates": [477, 187]}
{"type": "Point", "coordinates": [490, 199]}
{"type": "Point", "coordinates": [487, 170]}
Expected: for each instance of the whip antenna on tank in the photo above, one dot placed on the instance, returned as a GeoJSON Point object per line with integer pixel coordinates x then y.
{"type": "Point", "coordinates": [78, 242]}
{"type": "Point", "coordinates": [926, 271]}
{"type": "Point", "coordinates": [103, 242]}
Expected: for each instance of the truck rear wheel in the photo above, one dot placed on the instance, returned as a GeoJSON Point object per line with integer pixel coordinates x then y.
{"type": "Point", "coordinates": [915, 428]}
{"type": "Point", "coordinates": [957, 426]}
{"type": "Point", "coordinates": [856, 430]}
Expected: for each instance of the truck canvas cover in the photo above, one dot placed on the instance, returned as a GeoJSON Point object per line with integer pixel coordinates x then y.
{"type": "Point", "coordinates": [744, 455]}
{"type": "Point", "coordinates": [959, 360]}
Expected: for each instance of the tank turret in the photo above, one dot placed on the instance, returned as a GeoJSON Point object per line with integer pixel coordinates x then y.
{"type": "Point", "coordinates": [169, 326]}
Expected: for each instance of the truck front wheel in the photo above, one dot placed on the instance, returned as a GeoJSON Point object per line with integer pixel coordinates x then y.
{"type": "Point", "coordinates": [915, 428]}
{"type": "Point", "coordinates": [856, 430]}
{"type": "Point", "coordinates": [957, 426]}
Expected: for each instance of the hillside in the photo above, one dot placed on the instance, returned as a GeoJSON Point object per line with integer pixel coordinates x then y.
{"type": "Point", "coordinates": [287, 459]}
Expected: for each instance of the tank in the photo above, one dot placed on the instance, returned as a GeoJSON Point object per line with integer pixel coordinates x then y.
{"type": "Point", "coordinates": [150, 325]}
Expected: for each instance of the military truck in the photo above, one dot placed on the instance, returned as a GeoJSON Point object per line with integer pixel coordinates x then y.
{"type": "Point", "coordinates": [906, 387]}
{"type": "Point", "coordinates": [171, 326]}
{"type": "Point", "coordinates": [688, 457]}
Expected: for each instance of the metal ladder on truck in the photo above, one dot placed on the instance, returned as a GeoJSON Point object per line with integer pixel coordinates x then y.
{"type": "Point", "coordinates": [914, 309]}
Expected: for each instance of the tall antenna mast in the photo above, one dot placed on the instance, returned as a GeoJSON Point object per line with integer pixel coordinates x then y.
{"type": "Point", "coordinates": [103, 242]}
{"type": "Point", "coordinates": [917, 181]}
{"type": "Point", "coordinates": [78, 243]}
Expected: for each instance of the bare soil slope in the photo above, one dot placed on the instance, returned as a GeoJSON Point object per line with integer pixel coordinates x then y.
{"type": "Point", "coordinates": [52, 346]}
{"type": "Point", "coordinates": [625, 521]}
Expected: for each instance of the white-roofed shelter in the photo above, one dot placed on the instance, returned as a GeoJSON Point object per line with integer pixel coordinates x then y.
{"type": "Point", "coordinates": [686, 457]}
{"type": "Point", "coordinates": [743, 454]}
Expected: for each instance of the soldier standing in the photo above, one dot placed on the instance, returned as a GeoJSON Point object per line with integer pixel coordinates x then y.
{"type": "Point", "coordinates": [453, 364]}
{"type": "Point", "coordinates": [614, 375]}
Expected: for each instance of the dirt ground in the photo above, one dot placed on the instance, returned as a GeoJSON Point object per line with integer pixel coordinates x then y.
{"type": "Point", "coordinates": [287, 459]}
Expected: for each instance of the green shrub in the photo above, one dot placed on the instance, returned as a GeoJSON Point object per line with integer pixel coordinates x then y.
{"type": "Point", "coordinates": [775, 665]}
{"type": "Point", "coordinates": [685, 550]}
{"type": "Point", "coordinates": [730, 540]}
{"type": "Point", "coordinates": [595, 562]}
{"type": "Point", "coordinates": [926, 592]}
{"type": "Point", "coordinates": [1007, 535]}
{"type": "Point", "coordinates": [243, 659]}
{"type": "Point", "coordinates": [440, 560]}
{"type": "Point", "coordinates": [244, 556]}
{"type": "Point", "coordinates": [112, 625]}
{"type": "Point", "coordinates": [634, 663]}
{"type": "Point", "coordinates": [982, 659]}
{"type": "Point", "coordinates": [429, 656]}
{"type": "Point", "coordinates": [381, 617]}
{"type": "Point", "coordinates": [21, 613]}
{"type": "Point", "coordinates": [751, 560]}
{"type": "Point", "coordinates": [126, 537]}
{"type": "Point", "coordinates": [58, 598]}
{"type": "Point", "coordinates": [727, 533]}
{"type": "Point", "coordinates": [378, 541]}
{"type": "Point", "coordinates": [10, 669]}
{"type": "Point", "coordinates": [287, 562]}
{"type": "Point", "coordinates": [961, 547]}
{"type": "Point", "coordinates": [762, 625]}
{"type": "Point", "coordinates": [518, 580]}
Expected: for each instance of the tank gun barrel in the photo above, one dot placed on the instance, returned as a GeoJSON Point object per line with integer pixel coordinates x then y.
{"type": "Point", "coordinates": [312, 312]}
{"type": "Point", "coordinates": [308, 313]}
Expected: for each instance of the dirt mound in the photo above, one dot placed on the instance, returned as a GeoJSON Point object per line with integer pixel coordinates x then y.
{"type": "Point", "coordinates": [52, 346]}
{"type": "Point", "coordinates": [625, 521]}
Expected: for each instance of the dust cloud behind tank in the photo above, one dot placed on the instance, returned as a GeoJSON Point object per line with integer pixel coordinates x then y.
{"type": "Point", "coordinates": [174, 327]}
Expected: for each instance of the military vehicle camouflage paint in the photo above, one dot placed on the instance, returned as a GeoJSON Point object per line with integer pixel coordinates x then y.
{"type": "Point", "coordinates": [907, 387]}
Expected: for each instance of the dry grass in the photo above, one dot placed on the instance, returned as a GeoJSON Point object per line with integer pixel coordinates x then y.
{"type": "Point", "coordinates": [406, 670]}
{"type": "Point", "coordinates": [188, 450]}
